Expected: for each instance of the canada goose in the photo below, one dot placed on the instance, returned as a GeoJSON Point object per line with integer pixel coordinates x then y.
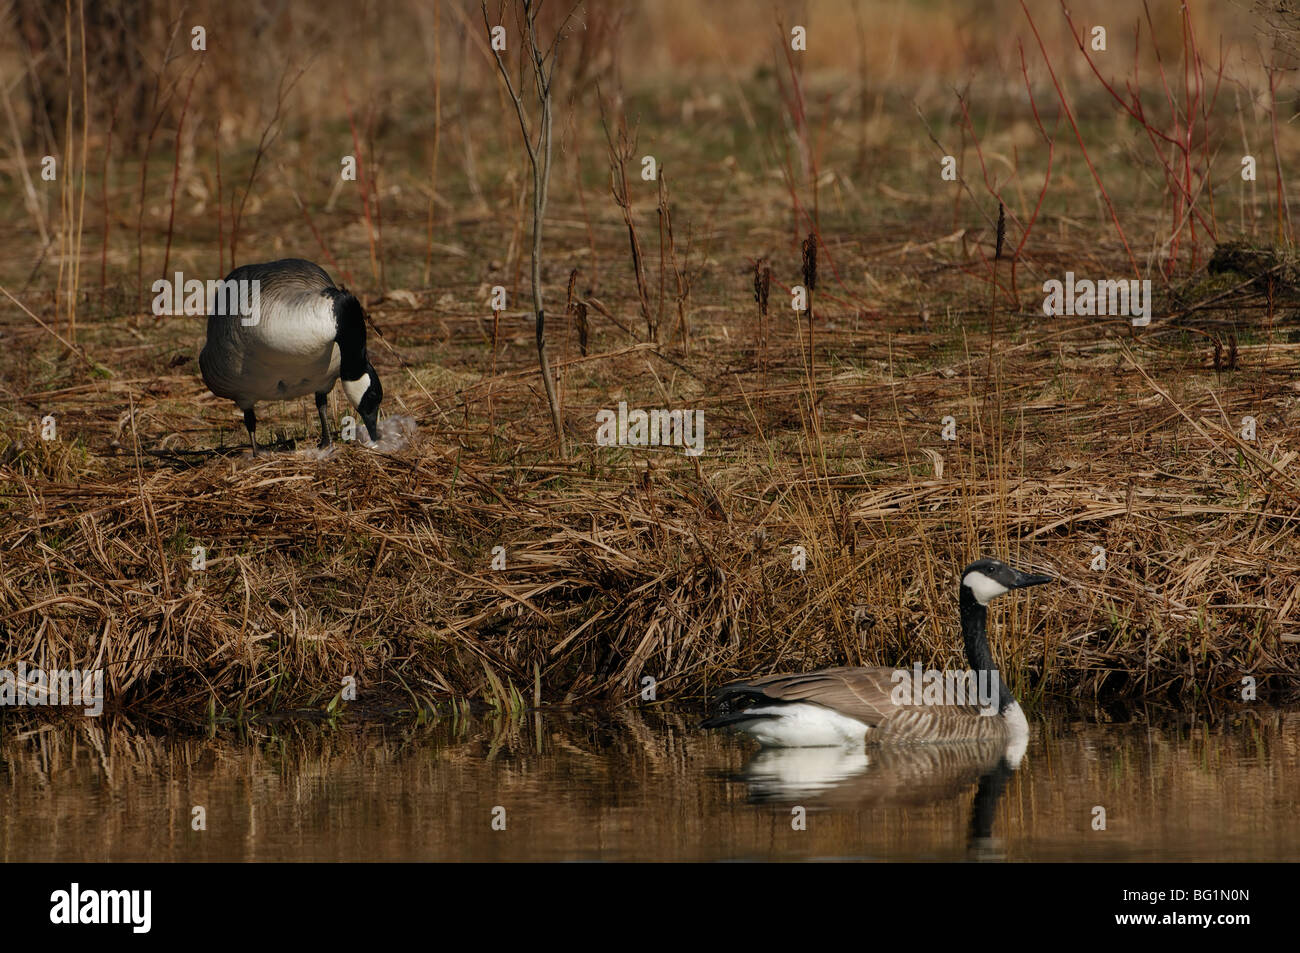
{"type": "Point", "coordinates": [839, 706]}
{"type": "Point", "coordinates": [305, 335]}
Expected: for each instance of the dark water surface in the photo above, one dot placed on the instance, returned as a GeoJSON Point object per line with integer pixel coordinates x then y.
{"type": "Point", "coordinates": [647, 786]}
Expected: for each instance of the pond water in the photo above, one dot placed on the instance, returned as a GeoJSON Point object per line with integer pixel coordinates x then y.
{"type": "Point", "coordinates": [647, 785]}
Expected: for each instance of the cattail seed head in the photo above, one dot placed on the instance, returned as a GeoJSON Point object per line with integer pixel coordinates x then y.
{"type": "Point", "coordinates": [580, 312]}
{"type": "Point", "coordinates": [810, 261]}
{"type": "Point", "coordinates": [762, 284]}
{"type": "Point", "coordinates": [573, 280]}
{"type": "Point", "coordinates": [1002, 231]}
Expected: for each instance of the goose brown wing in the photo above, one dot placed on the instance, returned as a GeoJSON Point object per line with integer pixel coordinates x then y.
{"type": "Point", "coordinates": [866, 695]}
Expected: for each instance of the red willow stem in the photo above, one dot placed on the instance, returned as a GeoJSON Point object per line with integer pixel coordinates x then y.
{"type": "Point", "coordinates": [1079, 137]}
{"type": "Point", "coordinates": [1136, 111]}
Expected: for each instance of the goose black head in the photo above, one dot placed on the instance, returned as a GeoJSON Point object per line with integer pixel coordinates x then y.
{"type": "Point", "coordinates": [986, 579]}
{"type": "Point", "coordinates": [360, 382]}
{"type": "Point", "coordinates": [364, 394]}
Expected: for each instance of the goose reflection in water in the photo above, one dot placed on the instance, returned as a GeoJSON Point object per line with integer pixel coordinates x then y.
{"type": "Point", "coordinates": [891, 776]}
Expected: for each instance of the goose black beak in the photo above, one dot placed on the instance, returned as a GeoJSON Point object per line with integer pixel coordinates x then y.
{"type": "Point", "coordinates": [372, 426]}
{"type": "Point", "coordinates": [1024, 580]}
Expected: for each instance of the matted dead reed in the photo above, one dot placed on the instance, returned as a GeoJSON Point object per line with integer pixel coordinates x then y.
{"type": "Point", "coordinates": [1075, 437]}
{"type": "Point", "coordinates": [624, 564]}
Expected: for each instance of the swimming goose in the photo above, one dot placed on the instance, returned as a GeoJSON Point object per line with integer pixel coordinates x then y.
{"type": "Point", "coordinates": [304, 335]}
{"type": "Point", "coordinates": [839, 706]}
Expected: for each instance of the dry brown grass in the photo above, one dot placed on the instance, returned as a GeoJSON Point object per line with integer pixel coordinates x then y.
{"type": "Point", "coordinates": [622, 564]}
{"type": "Point", "coordinates": [627, 564]}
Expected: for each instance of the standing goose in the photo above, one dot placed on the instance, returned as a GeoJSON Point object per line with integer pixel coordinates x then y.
{"type": "Point", "coordinates": [305, 335]}
{"type": "Point", "coordinates": [839, 706]}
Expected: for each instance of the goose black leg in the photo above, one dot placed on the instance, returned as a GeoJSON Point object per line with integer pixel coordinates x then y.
{"type": "Point", "coordinates": [250, 421]}
{"type": "Point", "coordinates": [321, 399]}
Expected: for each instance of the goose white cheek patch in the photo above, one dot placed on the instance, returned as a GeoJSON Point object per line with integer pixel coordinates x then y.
{"type": "Point", "coordinates": [982, 587]}
{"type": "Point", "coordinates": [357, 389]}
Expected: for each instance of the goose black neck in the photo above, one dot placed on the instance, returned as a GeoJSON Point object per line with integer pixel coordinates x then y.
{"type": "Point", "coordinates": [350, 322]}
{"type": "Point", "coordinates": [974, 634]}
